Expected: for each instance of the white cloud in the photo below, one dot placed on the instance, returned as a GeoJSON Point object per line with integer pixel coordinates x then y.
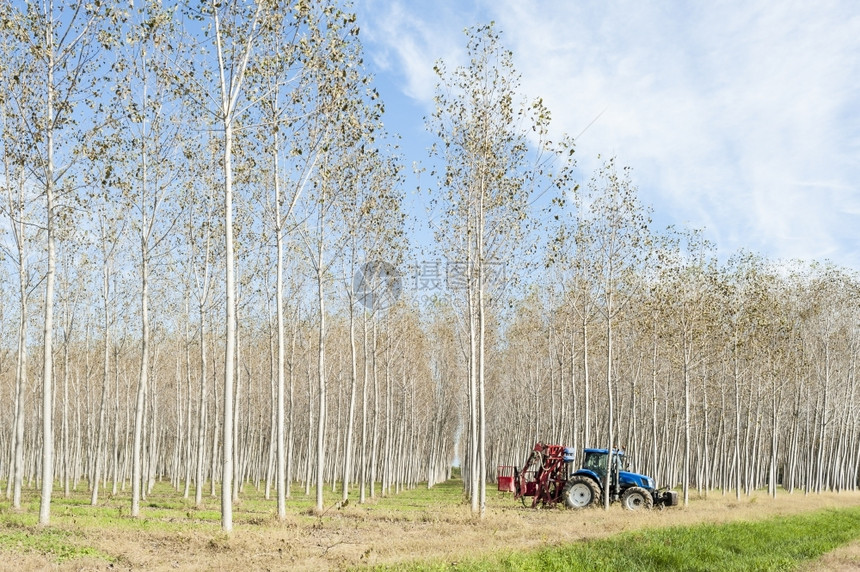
{"type": "Point", "coordinates": [408, 44]}
{"type": "Point", "coordinates": [743, 117]}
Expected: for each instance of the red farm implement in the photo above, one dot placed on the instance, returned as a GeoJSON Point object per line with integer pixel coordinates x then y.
{"type": "Point", "coordinates": [542, 477]}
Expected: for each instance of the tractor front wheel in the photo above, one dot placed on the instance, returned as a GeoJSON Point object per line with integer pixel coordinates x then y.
{"type": "Point", "coordinates": [637, 498]}
{"type": "Point", "coordinates": [580, 492]}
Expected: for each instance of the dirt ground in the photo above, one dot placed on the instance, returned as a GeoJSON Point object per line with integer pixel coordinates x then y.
{"type": "Point", "coordinates": [842, 559]}
{"type": "Point", "coordinates": [360, 535]}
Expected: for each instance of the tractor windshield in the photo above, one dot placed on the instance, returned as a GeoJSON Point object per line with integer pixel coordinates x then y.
{"type": "Point", "coordinates": [596, 462]}
{"type": "Point", "coordinates": [626, 463]}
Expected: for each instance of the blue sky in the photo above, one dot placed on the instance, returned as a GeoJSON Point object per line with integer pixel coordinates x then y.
{"type": "Point", "coordinates": [739, 117]}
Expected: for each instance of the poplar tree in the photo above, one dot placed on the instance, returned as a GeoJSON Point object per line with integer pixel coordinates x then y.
{"type": "Point", "coordinates": [487, 175]}
{"type": "Point", "coordinates": [18, 207]}
{"type": "Point", "coordinates": [616, 226]}
{"type": "Point", "coordinates": [687, 299]}
{"type": "Point", "coordinates": [62, 44]}
{"type": "Point", "coordinates": [216, 83]}
{"type": "Point", "coordinates": [144, 141]}
{"type": "Point", "coordinates": [285, 80]}
{"type": "Point", "coordinates": [373, 223]}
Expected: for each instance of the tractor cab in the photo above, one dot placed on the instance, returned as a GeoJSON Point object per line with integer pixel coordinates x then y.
{"type": "Point", "coordinates": [595, 462]}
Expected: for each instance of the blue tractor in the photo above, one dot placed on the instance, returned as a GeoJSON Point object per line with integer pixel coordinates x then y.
{"type": "Point", "coordinates": [585, 486]}
{"type": "Point", "coordinates": [547, 478]}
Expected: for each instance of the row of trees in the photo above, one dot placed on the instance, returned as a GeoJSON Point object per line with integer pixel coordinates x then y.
{"type": "Point", "coordinates": [732, 376]}
{"type": "Point", "coordinates": [204, 196]}
{"type": "Point", "coordinates": [199, 152]}
{"type": "Point", "coordinates": [403, 433]}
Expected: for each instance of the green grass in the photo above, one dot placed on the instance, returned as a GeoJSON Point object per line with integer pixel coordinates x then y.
{"type": "Point", "coordinates": [775, 544]}
{"type": "Point", "coordinates": [164, 510]}
{"type": "Point", "coordinates": [73, 519]}
{"type": "Point", "coordinates": [60, 545]}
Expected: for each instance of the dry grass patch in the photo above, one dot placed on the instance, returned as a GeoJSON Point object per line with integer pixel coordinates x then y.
{"type": "Point", "coordinates": [843, 559]}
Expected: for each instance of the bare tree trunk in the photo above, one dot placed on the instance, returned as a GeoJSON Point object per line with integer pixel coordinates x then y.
{"type": "Point", "coordinates": [472, 456]}
{"type": "Point", "coordinates": [374, 440]}
{"type": "Point", "coordinates": [201, 415]}
{"type": "Point", "coordinates": [115, 460]}
{"type": "Point", "coordinates": [611, 409]}
{"type": "Point", "coordinates": [654, 454]}
{"type": "Point", "coordinates": [279, 403]}
{"type": "Point", "coordinates": [230, 341]}
{"type": "Point", "coordinates": [686, 373]}
{"type": "Point", "coordinates": [321, 415]}
{"type": "Point", "coordinates": [482, 417]}
{"type": "Point", "coordinates": [363, 455]}
{"type": "Point", "coordinates": [140, 403]}
{"type": "Point", "coordinates": [20, 381]}
{"type": "Point", "coordinates": [48, 332]}
{"type": "Point", "coordinates": [237, 401]}
{"type": "Point", "coordinates": [353, 381]}
{"type": "Point", "coordinates": [310, 429]}
{"type": "Point", "coordinates": [213, 452]}
{"type": "Point", "coordinates": [737, 443]}
{"type": "Point", "coordinates": [64, 431]}
{"type": "Point", "coordinates": [188, 451]}
{"type": "Point", "coordinates": [291, 420]}
{"type": "Point", "coordinates": [94, 498]}
{"type": "Point", "coordinates": [586, 386]}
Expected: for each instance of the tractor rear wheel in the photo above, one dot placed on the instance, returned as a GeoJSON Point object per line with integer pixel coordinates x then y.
{"type": "Point", "coordinates": [580, 492]}
{"type": "Point", "coordinates": [637, 498]}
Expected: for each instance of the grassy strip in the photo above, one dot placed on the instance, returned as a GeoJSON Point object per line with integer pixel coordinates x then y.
{"type": "Point", "coordinates": [54, 543]}
{"type": "Point", "coordinates": [782, 543]}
